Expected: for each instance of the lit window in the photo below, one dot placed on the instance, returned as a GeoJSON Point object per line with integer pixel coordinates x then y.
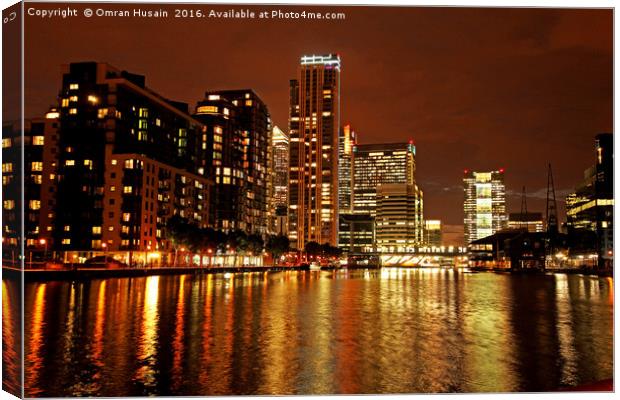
{"type": "Point", "coordinates": [6, 143]}
{"type": "Point", "coordinates": [114, 162]}
{"type": "Point", "coordinates": [206, 110]}
{"type": "Point", "coordinates": [36, 179]}
{"type": "Point", "coordinates": [112, 188]}
{"type": "Point", "coordinates": [143, 113]}
{"type": "Point", "coordinates": [65, 103]}
{"type": "Point", "coordinates": [248, 102]}
{"type": "Point", "coordinates": [7, 167]}
{"type": "Point", "coordinates": [111, 229]}
{"type": "Point", "coordinates": [96, 230]}
{"type": "Point", "coordinates": [214, 97]}
{"type": "Point", "coordinates": [74, 86]}
{"type": "Point", "coordinates": [217, 129]}
{"type": "Point", "coordinates": [129, 164]}
{"type": "Point", "coordinates": [66, 241]}
{"type": "Point", "coordinates": [36, 166]}
{"type": "Point", "coordinates": [70, 163]}
{"type": "Point", "coordinates": [67, 228]}
{"type": "Point", "coordinates": [73, 111]}
{"type": "Point", "coordinates": [34, 204]}
{"type": "Point", "coordinates": [8, 204]}
{"type": "Point", "coordinates": [38, 140]}
{"type": "Point", "coordinates": [88, 163]}
{"type": "Point", "coordinates": [102, 112]}
{"type": "Point", "coordinates": [127, 189]}
{"type": "Point", "coordinates": [126, 217]}
{"type": "Point", "coordinates": [93, 99]}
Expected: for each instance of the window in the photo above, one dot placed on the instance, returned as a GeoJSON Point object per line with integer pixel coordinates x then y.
{"type": "Point", "coordinates": [112, 188]}
{"type": "Point", "coordinates": [6, 143]}
{"type": "Point", "coordinates": [64, 103]}
{"type": "Point", "coordinates": [102, 112]}
{"type": "Point", "coordinates": [66, 241]}
{"type": "Point", "coordinates": [206, 110]}
{"type": "Point", "coordinates": [96, 230]}
{"type": "Point", "coordinates": [129, 164]}
{"type": "Point", "coordinates": [7, 167]}
{"type": "Point", "coordinates": [114, 161]}
{"type": "Point", "coordinates": [36, 166]}
{"type": "Point", "coordinates": [126, 217]}
{"type": "Point", "coordinates": [143, 113]}
{"type": "Point", "coordinates": [127, 189]}
{"type": "Point", "coordinates": [37, 179]}
{"type": "Point", "coordinates": [8, 204]}
{"type": "Point", "coordinates": [88, 163]}
{"type": "Point", "coordinates": [38, 140]}
{"type": "Point", "coordinates": [93, 99]}
{"type": "Point", "coordinates": [73, 111]}
{"type": "Point", "coordinates": [69, 163]}
{"type": "Point", "coordinates": [74, 86]}
{"type": "Point", "coordinates": [67, 228]}
{"type": "Point", "coordinates": [34, 204]}
{"type": "Point", "coordinates": [111, 228]}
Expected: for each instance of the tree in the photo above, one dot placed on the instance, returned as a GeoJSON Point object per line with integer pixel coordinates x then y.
{"type": "Point", "coordinates": [313, 249]}
{"type": "Point", "coordinates": [276, 246]}
{"type": "Point", "coordinates": [255, 244]}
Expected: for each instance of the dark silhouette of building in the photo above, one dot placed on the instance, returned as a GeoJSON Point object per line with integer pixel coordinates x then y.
{"type": "Point", "coordinates": [591, 206]}
{"type": "Point", "coordinates": [128, 160]}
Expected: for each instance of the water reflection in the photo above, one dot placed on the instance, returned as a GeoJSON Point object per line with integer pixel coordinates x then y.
{"type": "Point", "coordinates": [389, 331]}
{"type": "Point", "coordinates": [11, 342]}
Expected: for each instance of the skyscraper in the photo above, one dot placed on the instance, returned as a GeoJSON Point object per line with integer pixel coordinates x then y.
{"type": "Point", "coordinates": [279, 179]}
{"type": "Point", "coordinates": [485, 204]}
{"type": "Point", "coordinates": [377, 164]}
{"type": "Point", "coordinates": [347, 139]}
{"type": "Point", "coordinates": [280, 150]}
{"type": "Point", "coordinates": [314, 118]}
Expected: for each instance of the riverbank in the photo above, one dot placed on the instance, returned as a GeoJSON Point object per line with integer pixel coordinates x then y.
{"type": "Point", "coordinates": [64, 274]}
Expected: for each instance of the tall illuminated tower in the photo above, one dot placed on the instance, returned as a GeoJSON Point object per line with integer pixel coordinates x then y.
{"type": "Point", "coordinates": [485, 204]}
{"type": "Point", "coordinates": [314, 118]}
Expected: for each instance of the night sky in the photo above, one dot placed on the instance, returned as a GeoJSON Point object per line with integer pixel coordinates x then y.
{"type": "Point", "coordinates": [475, 88]}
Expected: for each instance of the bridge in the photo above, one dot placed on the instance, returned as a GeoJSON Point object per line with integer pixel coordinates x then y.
{"type": "Point", "coordinates": [428, 256]}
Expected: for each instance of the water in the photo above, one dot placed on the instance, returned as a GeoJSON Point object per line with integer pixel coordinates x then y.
{"type": "Point", "coordinates": [388, 331]}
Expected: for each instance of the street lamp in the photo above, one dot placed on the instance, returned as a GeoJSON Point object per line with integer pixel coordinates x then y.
{"type": "Point", "coordinates": [104, 246]}
{"type": "Point", "coordinates": [43, 242]}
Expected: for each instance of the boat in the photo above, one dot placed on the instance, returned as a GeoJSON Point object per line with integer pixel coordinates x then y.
{"type": "Point", "coordinates": [315, 266]}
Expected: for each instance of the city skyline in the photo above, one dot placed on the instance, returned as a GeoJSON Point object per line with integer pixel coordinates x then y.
{"type": "Point", "coordinates": [420, 95]}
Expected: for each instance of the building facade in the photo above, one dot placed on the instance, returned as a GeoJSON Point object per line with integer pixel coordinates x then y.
{"type": "Point", "coordinates": [531, 221]}
{"type": "Point", "coordinates": [120, 144]}
{"type": "Point", "coordinates": [432, 232]}
{"type": "Point", "coordinates": [237, 146]}
{"type": "Point", "coordinates": [314, 118]}
{"type": "Point", "coordinates": [399, 223]}
{"type": "Point", "coordinates": [591, 206]}
{"type": "Point", "coordinates": [357, 233]}
{"type": "Point", "coordinates": [484, 204]}
{"type": "Point", "coordinates": [38, 139]}
{"type": "Point", "coordinates": [379, 164]}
